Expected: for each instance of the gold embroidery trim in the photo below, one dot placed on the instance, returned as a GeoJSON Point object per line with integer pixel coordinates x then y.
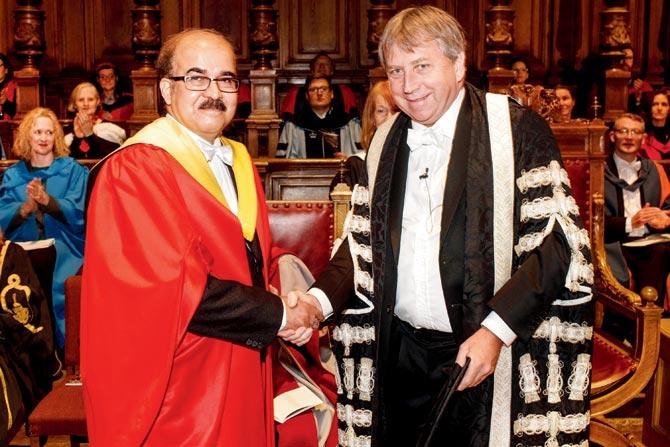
{"type": "Point", "coordinates": [10, 420]}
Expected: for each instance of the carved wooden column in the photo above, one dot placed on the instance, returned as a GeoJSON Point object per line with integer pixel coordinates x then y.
{"type": "Point", "coordinates": [263, 122]}
{"type": "Point", "coordinates": [379, 13]}
{"type": "Point", "coordinates": [29, 44]}
{"type": "Point", "coordinates": [614, 37]}
{"type": "Point", "coordinates": [499, 44]}
{"type": "Point", "coordinates": [146, 42]}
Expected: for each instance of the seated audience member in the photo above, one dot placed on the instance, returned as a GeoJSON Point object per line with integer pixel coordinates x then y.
{"type": "Point", "coordinates": [379, 106]}
{"type": "Point", "coordinates": [90, 137]}
{"type": "Point", "coordinates": [42, 196]}
{"type": "Point", "coordinates": [7, 89]}
{"type": "Point", "coordinates": [656, 144]}
{"type": "Point", "coordinates": [636, 205]}
{"type": "Point", "coordinates": [566, 103]}
{"type": "Point", "coordinates": [116, 104]}
{"type": "Point", "coordinates": [27, 353]}
{"type": "Point", "coordinates": [320, 65]}
{"type": "Point", "coordinates": [521, 71]}
{"type": "Point", "coordinates": [320, 131]}
{"type": "Point", "coordinates": [639, 90]}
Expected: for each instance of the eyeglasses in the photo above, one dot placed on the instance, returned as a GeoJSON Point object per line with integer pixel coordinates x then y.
{"type": "Point", "coordinates": [198, 83]}
{"type": "Point", "coordinates": [318, 89]}
{"type": "Point", "coordinates": [519, 70]}
{"type": "Point", "coordinates": [106, 77]}
{"type": "Point", "coordinates": [629, 132]}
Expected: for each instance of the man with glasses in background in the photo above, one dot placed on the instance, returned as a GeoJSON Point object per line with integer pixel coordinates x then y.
{"type": "Point", "coordinates": [637, 204]}
{"type": "Point", "coordinates": [320, 130]}
{"type": "Point", "coordinates": [175, 312]}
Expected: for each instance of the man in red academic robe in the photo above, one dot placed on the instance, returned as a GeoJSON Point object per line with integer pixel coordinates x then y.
{"type": "Point", "coordinates": [175, 315]}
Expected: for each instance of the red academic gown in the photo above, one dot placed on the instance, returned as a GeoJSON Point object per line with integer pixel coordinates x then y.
{"type": "Point", "coordinates": [153, 235]}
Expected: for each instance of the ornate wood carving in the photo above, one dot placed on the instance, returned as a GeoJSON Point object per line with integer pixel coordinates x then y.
{"type": "Point", "coordinates": [614, 37]}
{"type": "Point", "coordinates": [263, 39]}
{"type": "Point", "coordinates": [29, 31]}
{"type": "Point", "coordinates": [614, 29]}
{"type": "Point", "coordinates": [30, 44]}
{"type": "Point", "coordinates": [146, 38]}
{"type": "Point", "coordinates": [379, 13]}
{"type": "Point", "coordinates": [499, 32]}
{"type": "Point", "coordinates": [499, 43]}
{"type": "Point", "coordinates": [146, 41]}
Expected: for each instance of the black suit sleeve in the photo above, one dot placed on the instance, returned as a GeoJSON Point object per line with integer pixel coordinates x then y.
{"type": "Point", "coordinates": [337, 280]}
{"type": "Point", "coordinates": [237, 313]}
{"type": "Point", "coordinates": [615, 228]}
{"type": "Point", "coordinates": [523, 301]}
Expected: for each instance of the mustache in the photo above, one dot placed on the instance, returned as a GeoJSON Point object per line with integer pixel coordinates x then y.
{"type": "Point", "coordinates": [212, 103]}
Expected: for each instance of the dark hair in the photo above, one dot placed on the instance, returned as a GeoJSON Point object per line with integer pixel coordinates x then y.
{"type": "Point", "coordinates": [566, 87]}
{"type": "Point", "coordinates": [311, 78]}
{"type": "Point", "coordinates": [106, 66]}
{"type": "Point", "coordinates": [8, 66]}
{"type": "Point", "coordinates": [317, 56]}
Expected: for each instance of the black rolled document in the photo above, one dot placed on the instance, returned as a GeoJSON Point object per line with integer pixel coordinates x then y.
{"type": "Point", "coordinates": [441, 404]}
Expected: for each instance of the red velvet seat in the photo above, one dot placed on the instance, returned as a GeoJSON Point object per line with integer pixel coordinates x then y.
{"type": "Point", "coordinates": [61, 412]}
{"type": "Point", "coordinates": [304, 228]}
{"type": "Point", "coordinates": [610, 363]}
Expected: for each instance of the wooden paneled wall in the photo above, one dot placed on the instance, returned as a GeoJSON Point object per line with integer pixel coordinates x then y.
{"type": "Point", "coordinates": [560, 37]}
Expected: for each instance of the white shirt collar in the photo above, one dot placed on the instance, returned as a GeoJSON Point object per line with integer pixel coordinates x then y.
{"type": "Point", "coordinates": [622, 164]}
{"type": "Point", "coordinates": [210, 150]}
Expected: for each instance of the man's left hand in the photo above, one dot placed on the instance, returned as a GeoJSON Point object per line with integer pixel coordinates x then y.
{"type": "Point", "coordinates": [483, 348]}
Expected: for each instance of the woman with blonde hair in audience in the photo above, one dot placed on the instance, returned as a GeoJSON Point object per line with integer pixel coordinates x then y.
{"type": "Point", "coordinates": [90, 136]}
{"type": "Point", "coordinates": [656, 144]}
{"type": "Point", "coordinates": [42, 197]}
{"type": "Point", "coordinates": [379, 106]}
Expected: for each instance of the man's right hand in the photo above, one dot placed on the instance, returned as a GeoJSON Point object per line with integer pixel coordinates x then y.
{"type": "Point", "coordinates": [303, 315]}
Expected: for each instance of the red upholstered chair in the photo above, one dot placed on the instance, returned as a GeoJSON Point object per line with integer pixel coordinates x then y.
{"type": "Point", "coordinates": [619, 372]}
{"type": "Point", "coordinates": [61, 412]}
{"type": "Point", "coordinates": [304, 228]}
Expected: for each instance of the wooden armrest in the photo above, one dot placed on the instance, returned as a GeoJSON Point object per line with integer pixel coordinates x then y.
{"type": "Point", "coordinates": [610, 293]}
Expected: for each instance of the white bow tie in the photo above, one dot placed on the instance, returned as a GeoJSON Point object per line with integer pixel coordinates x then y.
{"type": "Point", "coordinates": [225, 153]}
{"type": "Point", "coordinates": [417, 138]}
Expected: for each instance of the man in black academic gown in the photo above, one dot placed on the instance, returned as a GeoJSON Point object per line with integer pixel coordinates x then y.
{"type": "Point", "coordinates": [463, 242]}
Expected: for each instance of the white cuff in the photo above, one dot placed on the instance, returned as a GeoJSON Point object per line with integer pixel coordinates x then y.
{"type": "Point", "coordinates": [629, 225]}
{"type": "Point", "coordinates": [283, 317]}
{"type": "Point", "coordinates": [500, 329]}
{"type": "Point", "coordinates": [321, 297]}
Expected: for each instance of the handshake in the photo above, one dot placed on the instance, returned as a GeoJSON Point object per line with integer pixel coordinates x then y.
{"type": "Point", "coordinates": [303, 315]}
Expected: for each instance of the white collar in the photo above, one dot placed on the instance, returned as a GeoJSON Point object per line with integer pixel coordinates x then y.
{"type": "Point", "coordinates": [623, 164]}
{"type": "Point", "coordinates": [210, 150]}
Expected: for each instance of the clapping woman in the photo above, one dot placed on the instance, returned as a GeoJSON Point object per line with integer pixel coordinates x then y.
{"type": "Point", "coordinates": [90, 137]}
{"type": "Point", "coordinates": [42, 196]}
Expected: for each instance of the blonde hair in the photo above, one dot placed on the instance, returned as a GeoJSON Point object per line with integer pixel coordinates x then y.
{"type": "Point", "coordinates": [22, 142]}
{"type": "Point", "coordinates": [368, 126]}
{"type": "Point", "coordinates": [72, 105]}
{"type": "Point", "coordinates": [412, 27]}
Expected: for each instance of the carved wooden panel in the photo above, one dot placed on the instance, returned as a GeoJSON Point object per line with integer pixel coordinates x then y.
{"type": "Point", "coordinates": [658, 44]}
{"type": "Point", "coordinates": [309, 26]}
{"type": "Point", "coordinates": [232, 19]}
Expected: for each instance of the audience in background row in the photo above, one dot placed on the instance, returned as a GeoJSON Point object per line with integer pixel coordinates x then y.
{"type": "Point", "coordinates": [42, 196]}
{"type": "Point", "coordinates": [521, 71]}
{"type": "Point", "coordinates": [116, 105]}
{"type": "Point", "coordinates": [639, 90]}
{"type": "Point", "coordinates": [295, 100]}
{"type": "Point", "coordinates": [323, 130]}
{"type": "Point", "coordinates": [637, 204]}
{"type": "Point", "coordinates": [90, 136]}
{"type": "Point", "coordinates": [656, 144]}
{"type": "Point", "coordinates": [7, 89]}
{"type": "Point", "coordinates": [566, 102]}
